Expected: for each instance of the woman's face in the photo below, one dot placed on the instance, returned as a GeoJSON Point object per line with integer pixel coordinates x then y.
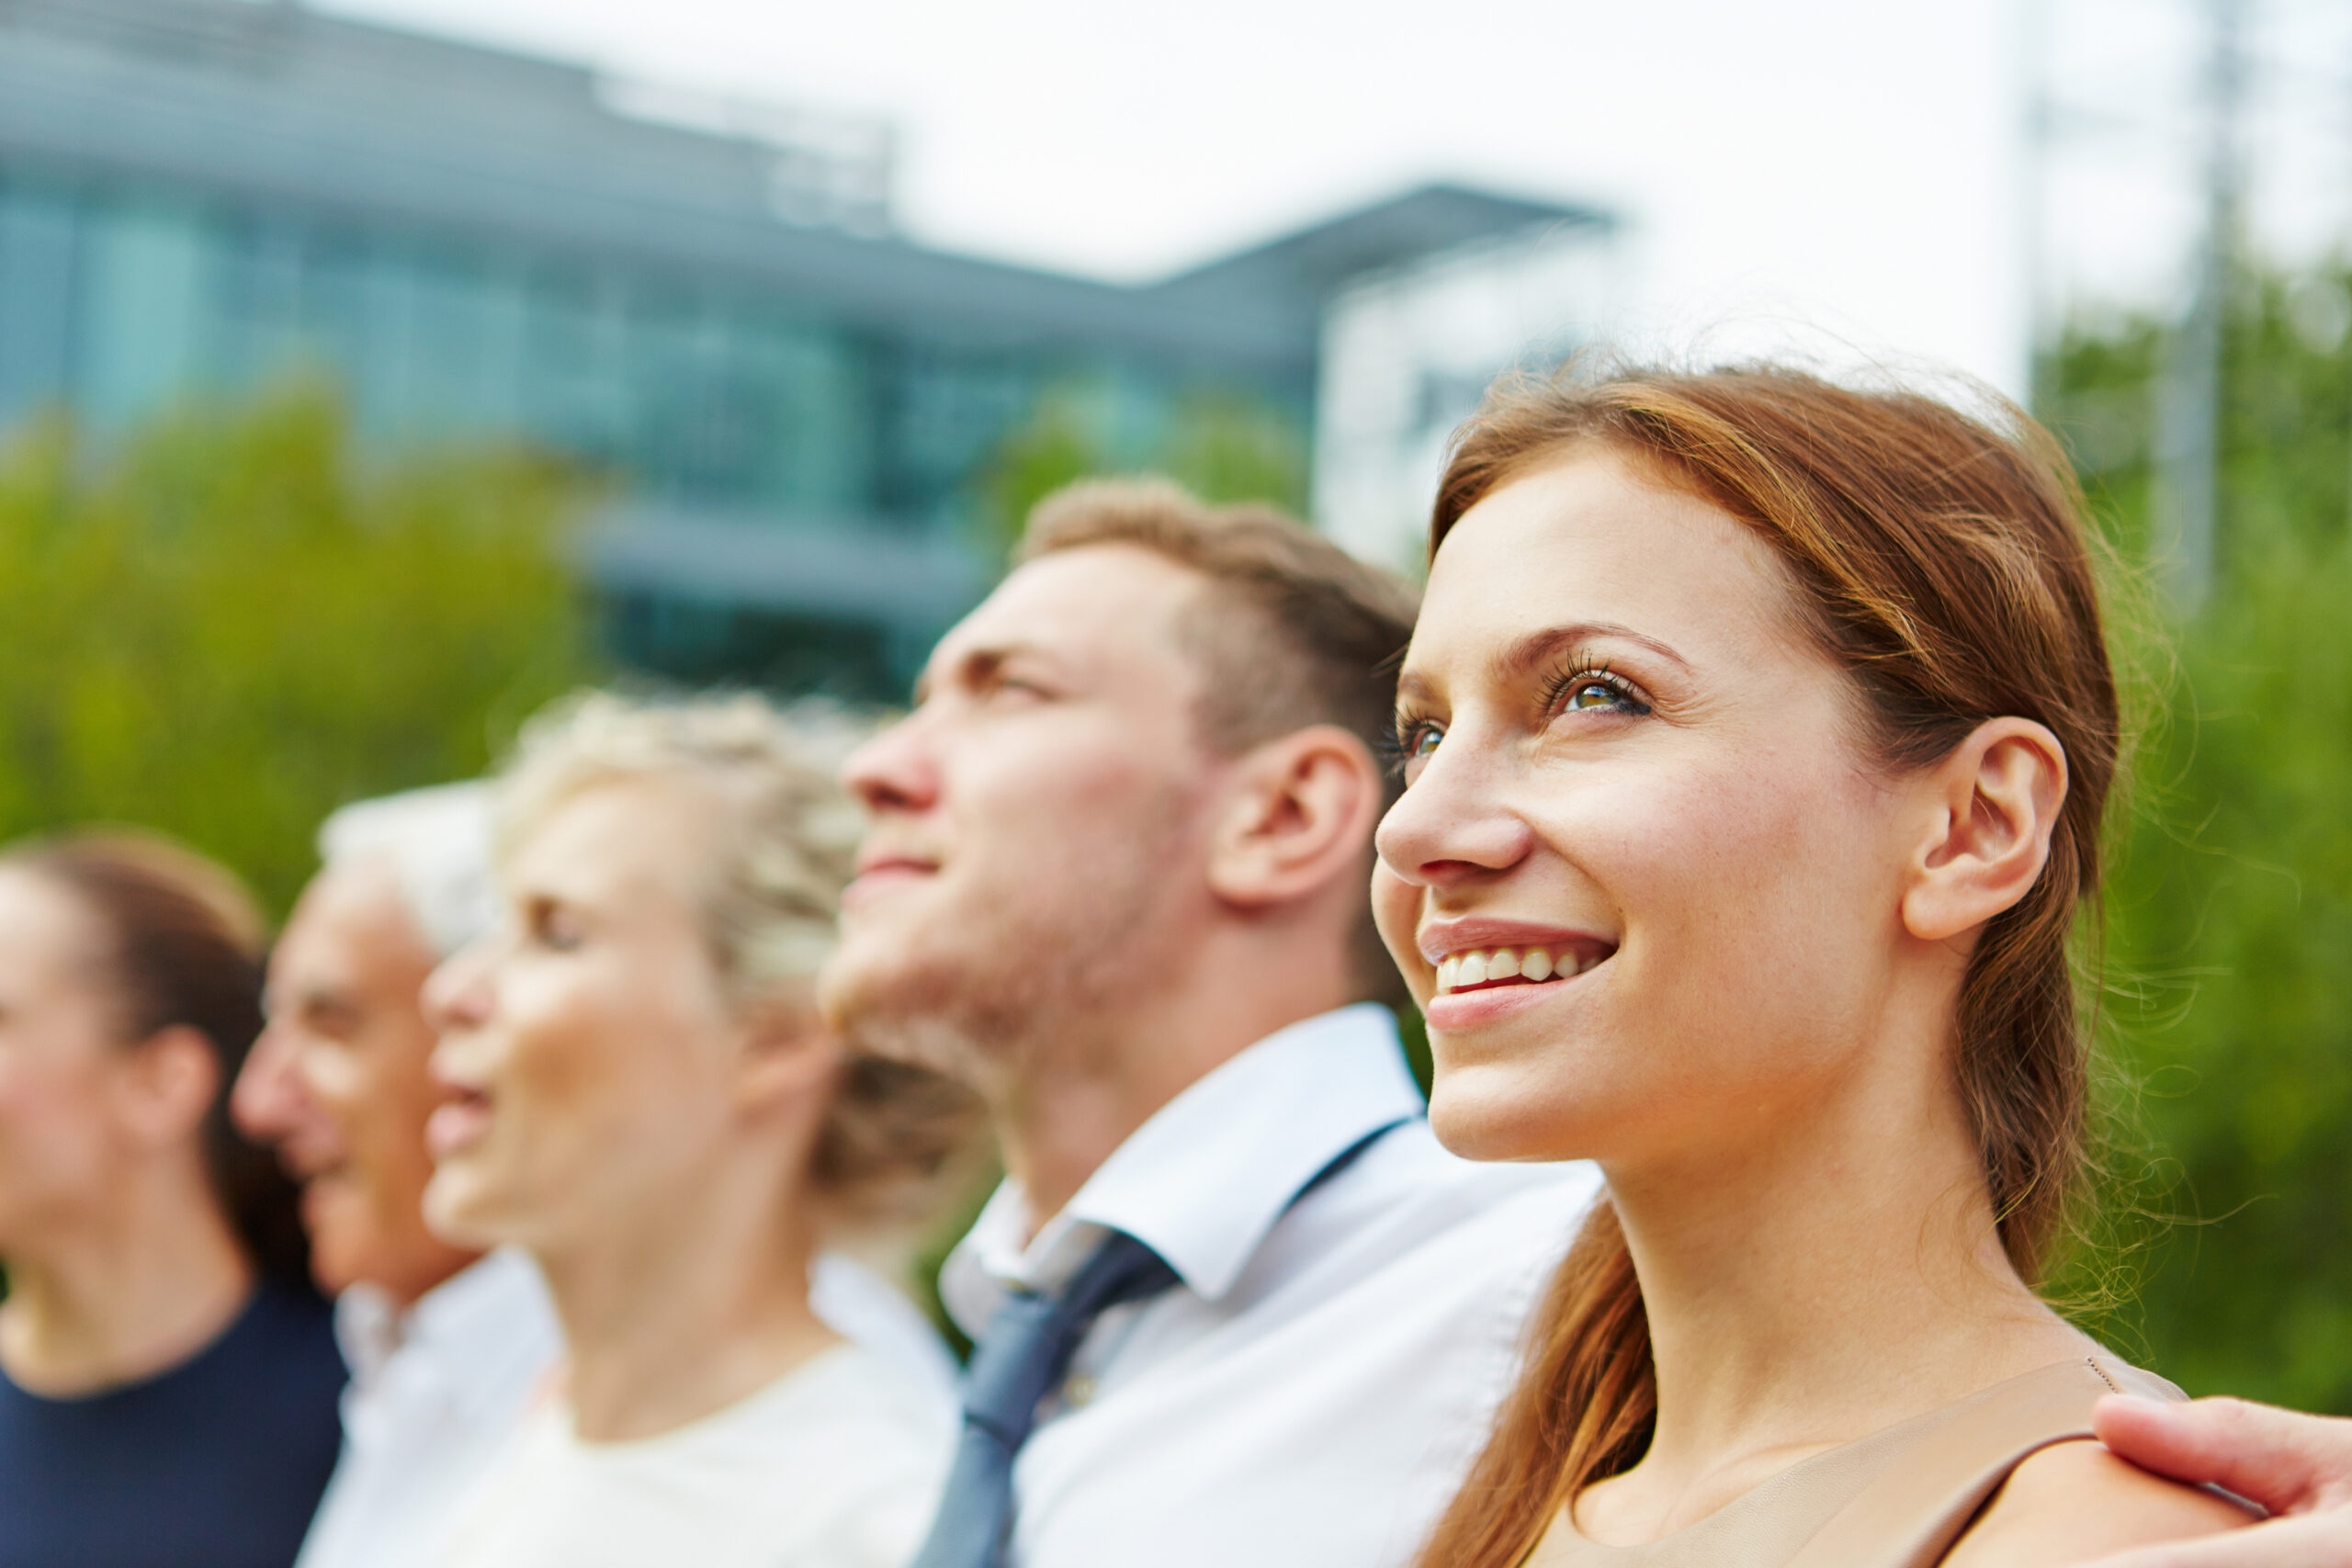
{"type": "Point", "coordinates": [1635, 783]}
{"type": "Point", "coordinates": [64, 1073]}
{"type": "Point", "coordinates": [586, 1045]}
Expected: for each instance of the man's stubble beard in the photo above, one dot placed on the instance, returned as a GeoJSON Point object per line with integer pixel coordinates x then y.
{"type": "Point", "coordinates": [1008, 978]}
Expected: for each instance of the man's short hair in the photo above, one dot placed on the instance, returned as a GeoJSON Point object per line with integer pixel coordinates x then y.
{"type": "Point", "coordinates": [437, 842]}
{"type": "Point", "coordinates": [1291, 631]}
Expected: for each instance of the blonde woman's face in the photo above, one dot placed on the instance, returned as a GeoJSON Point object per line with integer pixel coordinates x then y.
{"type": "Point", "coordinates": [1635, 795]}
{"type": "Point", "coordinates": [588, 1051]}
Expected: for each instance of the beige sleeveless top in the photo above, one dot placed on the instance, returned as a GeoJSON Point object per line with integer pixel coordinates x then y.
{"type": "Point", "coordinates": [1898, 1499]}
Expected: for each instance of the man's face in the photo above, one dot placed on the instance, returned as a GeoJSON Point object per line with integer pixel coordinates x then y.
{"type": "Point", "coordinates": [337, 1082]}
{"type": "Point", "coordinates": [1038, 858]}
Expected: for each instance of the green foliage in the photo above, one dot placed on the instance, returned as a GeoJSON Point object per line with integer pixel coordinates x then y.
{"type": "Point", "coordinates": [2228, 959]}
{"type": "Point", "coordinates": [225, 627]}
{"type": "Point", "coordinates": [1222, 447]}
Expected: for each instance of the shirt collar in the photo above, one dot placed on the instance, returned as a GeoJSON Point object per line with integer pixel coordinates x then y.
{"type": "Point", "coordinates": [1203, 1180]}
{"type": "Point", "coordinates": [493, 1310]}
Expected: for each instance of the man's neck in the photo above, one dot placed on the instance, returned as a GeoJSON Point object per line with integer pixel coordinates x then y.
{"type": "Point", "coordinates": [1085, 1086]}
{"type": "Point", "coordinates": [131, 1292]}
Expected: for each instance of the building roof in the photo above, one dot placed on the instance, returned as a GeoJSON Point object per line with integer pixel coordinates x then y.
{"type": "Point", "coordinates": [264, 103]}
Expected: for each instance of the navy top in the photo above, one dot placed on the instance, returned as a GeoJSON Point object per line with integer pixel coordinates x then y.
{"type": "Point", "coordinates": [217, 1463]}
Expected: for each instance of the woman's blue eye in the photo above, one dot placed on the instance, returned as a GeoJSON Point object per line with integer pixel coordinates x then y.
{"type": "Point", "coordinates": [1423, 740]}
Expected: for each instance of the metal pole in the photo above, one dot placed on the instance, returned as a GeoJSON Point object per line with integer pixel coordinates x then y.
{"type": "Point", "coordinates": [2033, 23]}
{"type": "Point", "coordinates": [2190, 391]}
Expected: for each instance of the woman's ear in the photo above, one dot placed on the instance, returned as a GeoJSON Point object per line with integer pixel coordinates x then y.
{"type": "Point", "coordinates": [1994, 804]}
{"type": "Point", "coordinates": [788, 1053]}
{"type": "Point", "coordinates": [168, 1084]}
{"type": "Point", "coordinates": [1300, 813]}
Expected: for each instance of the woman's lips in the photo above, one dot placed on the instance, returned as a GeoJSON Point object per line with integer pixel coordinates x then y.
{"type": "Point", "coordinates": [457, 1125]}
{"type": "Point", "coordinates": [1455, 1010]}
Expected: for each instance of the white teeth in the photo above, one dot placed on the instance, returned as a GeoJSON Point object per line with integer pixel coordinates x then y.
{"type": "Point", "coordinates": [1459, 971]}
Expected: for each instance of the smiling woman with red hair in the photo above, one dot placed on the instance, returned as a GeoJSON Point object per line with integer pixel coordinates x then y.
{"type": "Point", "coordinates": [1757, 732]}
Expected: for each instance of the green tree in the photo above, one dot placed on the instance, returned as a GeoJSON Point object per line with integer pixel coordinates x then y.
{"type": "Point", "coordinates": [228, 623]}
{"type": "Point", "coordinates": [1220, 446]}
{"type": "Point", "coordinates": [2228, 959]}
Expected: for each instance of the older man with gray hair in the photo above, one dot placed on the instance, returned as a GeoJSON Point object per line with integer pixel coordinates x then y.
{"type": "Point", "coordinates": [445, 1345]}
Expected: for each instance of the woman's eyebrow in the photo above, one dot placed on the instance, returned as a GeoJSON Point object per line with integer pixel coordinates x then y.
{"type": "Point", "coordinates": [1519, 656]}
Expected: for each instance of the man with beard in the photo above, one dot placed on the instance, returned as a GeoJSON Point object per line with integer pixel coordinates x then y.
{"type": "Point", "coordinates": [1233, 1303]}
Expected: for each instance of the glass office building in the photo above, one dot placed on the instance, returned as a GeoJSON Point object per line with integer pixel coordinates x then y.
{"type": "Point", "coordinates": [203, 196]}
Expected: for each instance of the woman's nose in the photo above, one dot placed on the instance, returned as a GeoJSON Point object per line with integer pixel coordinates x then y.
{"type": "Point", "coordinates": [457, 993]}
{"type": "Point", "coordinates": [1450, 824]}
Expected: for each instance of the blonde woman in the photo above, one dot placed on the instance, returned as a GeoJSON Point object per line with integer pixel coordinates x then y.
{"type": "Point", "coordinates": [640, 1096]}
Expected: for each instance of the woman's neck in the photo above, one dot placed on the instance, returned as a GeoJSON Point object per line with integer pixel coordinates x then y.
{"type": "Point", "coordinates": [1830, 1281]}
{"type": "Point", "coordinates": [147, 1277]}
{"type": "Point", "coordinates": [667, 1322]}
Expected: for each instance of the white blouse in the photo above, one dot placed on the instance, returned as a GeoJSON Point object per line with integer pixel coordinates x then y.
{"type": "Point", "coordinates": [836, 1465]}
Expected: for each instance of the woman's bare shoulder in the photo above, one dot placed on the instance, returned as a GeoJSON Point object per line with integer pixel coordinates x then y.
{"type": "Point", "coordinates": [2075, 1501]}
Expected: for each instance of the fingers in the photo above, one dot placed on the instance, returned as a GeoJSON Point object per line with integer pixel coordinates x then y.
{"type": "Point", "coordinates": [2312, 1540]}
{"type": "Point", "coordinates": [2286, 1463]}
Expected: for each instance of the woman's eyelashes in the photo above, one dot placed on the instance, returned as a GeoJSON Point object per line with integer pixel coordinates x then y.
{"type": "Point", "coordinates": [1579, 686]}
{"type": "Point", "coordinates": [1414, 737]}
{"type": "Point", "coordinates": [1587, 685]}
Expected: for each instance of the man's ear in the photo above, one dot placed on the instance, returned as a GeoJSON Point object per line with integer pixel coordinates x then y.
{"type": "Point", "coordinates": [1993, 804]}
{"type": "Point", "coordinates": [167, 1085]}
{"type": "Point", "coordinates": [788, 1053]}
{"type": "Point", "coordinates": [1299, 813]}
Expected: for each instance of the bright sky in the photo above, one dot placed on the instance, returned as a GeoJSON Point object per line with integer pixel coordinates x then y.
{"type": "Point", "coordinates": [1828, 171]}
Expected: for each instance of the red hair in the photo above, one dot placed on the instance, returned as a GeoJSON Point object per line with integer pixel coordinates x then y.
{"type": "Point", "coordinates": [1941, 558]}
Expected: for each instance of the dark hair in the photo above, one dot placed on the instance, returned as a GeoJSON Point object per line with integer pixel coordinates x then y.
{"type": "Point", "coordinates": [184, 946]}
{"type": "Point", "coordinates": [1941, 558]}
{"type": "Point", "coordinates": [1293, 631]}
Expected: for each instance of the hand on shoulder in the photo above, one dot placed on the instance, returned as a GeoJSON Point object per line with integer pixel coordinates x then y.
{"type": "Point", "coordinates": [2075, 1501]}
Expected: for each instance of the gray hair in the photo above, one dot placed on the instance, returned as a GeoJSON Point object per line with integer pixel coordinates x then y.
{"type": "Point", "coordinates": [437, 844]}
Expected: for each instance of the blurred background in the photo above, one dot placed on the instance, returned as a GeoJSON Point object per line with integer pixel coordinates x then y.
{"type": "Point", "coordinates": [372, 372]}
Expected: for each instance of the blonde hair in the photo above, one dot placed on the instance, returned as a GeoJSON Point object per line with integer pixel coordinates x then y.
{"type": "Point", "coordinates": [786, 846]}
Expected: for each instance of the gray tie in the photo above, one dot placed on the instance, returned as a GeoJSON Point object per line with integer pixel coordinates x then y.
{"type": "Point", "coordinates": [1026, 1350]}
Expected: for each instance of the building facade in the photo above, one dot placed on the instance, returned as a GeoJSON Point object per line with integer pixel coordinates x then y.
{"type": "Point", "coordinates": [199, 197]}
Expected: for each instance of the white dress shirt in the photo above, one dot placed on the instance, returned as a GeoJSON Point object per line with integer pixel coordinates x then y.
{"type": "Point", "coordinates": [436, 1394]}
{"type": "Point", "coordinates": [1317, 1385]}
{"type": "Point", "coordinates": [836, 1464]}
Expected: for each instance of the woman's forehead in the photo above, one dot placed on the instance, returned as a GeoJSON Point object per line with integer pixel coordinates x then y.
{"type": "Point", "coordinates": [1591, 541]}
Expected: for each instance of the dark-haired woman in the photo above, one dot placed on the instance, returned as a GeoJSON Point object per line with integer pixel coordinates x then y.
{"type": "Point", "coordinates": [1755, 735]}
{"type": "Point", "coordinates": [167, 1382]}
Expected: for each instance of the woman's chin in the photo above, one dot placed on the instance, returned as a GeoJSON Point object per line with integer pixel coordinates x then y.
{"type": "Point", "coordinates": [461, 1210]}
{"type": "Point", "coordinates": [1480, 1114]}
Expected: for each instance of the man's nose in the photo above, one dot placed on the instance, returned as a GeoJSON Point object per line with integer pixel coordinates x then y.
{"type": "Point", "coordinates": [267, 1100]}
{"type": "Point", "coordinates": [894, 770]}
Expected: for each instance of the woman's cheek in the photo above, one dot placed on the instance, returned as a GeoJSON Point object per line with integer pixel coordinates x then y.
{"type": "Point", "coordinates": [1395, 910]}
